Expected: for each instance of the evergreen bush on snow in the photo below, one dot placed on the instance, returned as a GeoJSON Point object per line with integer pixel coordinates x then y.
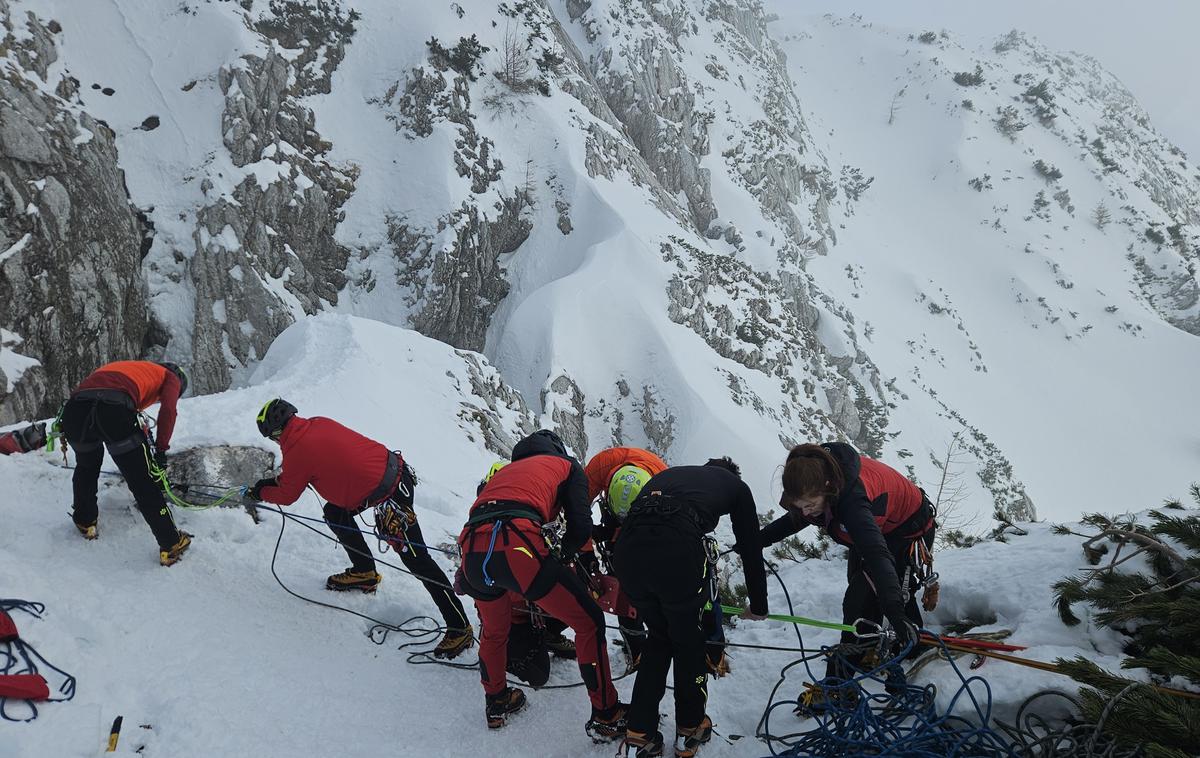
{"type": "Point", "coordinates": [1157, 609]}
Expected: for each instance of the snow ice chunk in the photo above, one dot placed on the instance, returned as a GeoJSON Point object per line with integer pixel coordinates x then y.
{"type": "Point", "coordinates": [15, 248]}
{"type": "Point", "coordinates": [14, 365]}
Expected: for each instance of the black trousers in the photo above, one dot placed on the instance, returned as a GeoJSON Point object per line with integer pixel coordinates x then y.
{"type": "Point", "coordinates": [663, 568]}
{"type": "Point", "coordinates": [90, 426]}
{"type": "Point", "coordinates": [412, 551]}
{"type": "Point", "coordinates": [861, 601]}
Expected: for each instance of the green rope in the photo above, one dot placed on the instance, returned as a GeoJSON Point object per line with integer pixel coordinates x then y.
{"type": "Point", "coordinates": [733, 610]}
{"type": "Point", "coordinates": [159, 475]}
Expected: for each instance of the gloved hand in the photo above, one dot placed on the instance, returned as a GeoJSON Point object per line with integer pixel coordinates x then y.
{"type": "Point", "coordinates": [160, 459]}
{"type": "Point", "coordinates": [907, 636]}
{"type": "Point", "coordinates": [255, 491]}
{"type": "Point", "coordinates": [587, 561]}
{"type": "Point", "coordinates": [602, 533]}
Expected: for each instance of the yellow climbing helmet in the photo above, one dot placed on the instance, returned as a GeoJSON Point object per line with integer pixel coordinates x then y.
{"type": "Point", "coordinates": [492, 471]}
{"type": "Point", "coordinates": [623, 489]}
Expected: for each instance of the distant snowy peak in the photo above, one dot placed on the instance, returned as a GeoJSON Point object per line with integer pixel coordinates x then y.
{"type": "Point", "coordinates": [1122, 172]}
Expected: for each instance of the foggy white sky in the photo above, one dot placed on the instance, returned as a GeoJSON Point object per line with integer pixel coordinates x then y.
{"type": "Point", "coordinates": [1153, 46]}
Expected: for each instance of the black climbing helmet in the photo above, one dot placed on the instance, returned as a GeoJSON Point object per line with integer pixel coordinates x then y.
{"type": "Point", "coordinates": [274, 417]}
{"type": "Point", "coordinates": [178, 371]}
{"type": "Point", "coordinates": [726, 463]}
{"type": "Point", "coordinates": [541, 442]}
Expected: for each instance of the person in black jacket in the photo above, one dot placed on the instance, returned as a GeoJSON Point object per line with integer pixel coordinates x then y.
{"type": "Point", "coordinates": [663, 565]}
{"type": "Point", "coordinates": [872, 509]}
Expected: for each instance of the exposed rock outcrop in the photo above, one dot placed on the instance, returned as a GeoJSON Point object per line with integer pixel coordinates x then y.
{"type": "Point", "coordinates": [70, 282]}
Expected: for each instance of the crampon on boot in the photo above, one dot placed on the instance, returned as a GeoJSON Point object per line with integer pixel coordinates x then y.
{"type": "Point", "coordinates": [363, 581]}
{"type": "Point", "coordinates": [688, 741]}
{"type": "Point", "coordinates": [171, 555]}
{"type": "Point", "coordinates": [607, 725]}
{"type": "Point", "coordinates": [641, 745]}
{"type": "Point", "coordinates": [502, 705]}
{"type": "Point", "coordinates": [559, 646]}
{"type": "Point", "coordinates": [454, 643]}
{"type": "Point", "coordinates": [87, 531]}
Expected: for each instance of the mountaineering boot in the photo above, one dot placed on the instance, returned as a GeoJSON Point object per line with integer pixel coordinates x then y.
{"type": "Point", "coordinates": [87, 530]}
{"type": "Point", "coordinates": [502, 705]}
{"type": "Point", "coordinates": [454, 643]}
{"type": "Point", "coordinates": [829, 694]}
{"type": "Point", "coordinates": [688, 741]}
{"type": "Point", "coordinates": [641, 745]}
{"type": "Point", "coordinates": [560, 646]}
{"type": "Point", "coordinates": [607, 725]}
{"type": "Point", "coordinates": [363, 581]}
{"type": "Point", "coordinates": [172, 555]}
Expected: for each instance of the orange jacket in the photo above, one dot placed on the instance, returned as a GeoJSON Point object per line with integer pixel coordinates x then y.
{"type": "Point", "coordinates": [604, 464]}
{"type": "Point", "coordinates": [146, 383]}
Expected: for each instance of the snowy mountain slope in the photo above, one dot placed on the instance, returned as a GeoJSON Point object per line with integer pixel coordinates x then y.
{"type": "Point", "coordinates": [640, 216]}
{"type": "Point", "coordinates": [469, 208]}
{"type": "Point", "coordinates": [986, 283]}
{"type": "Point", "coordinates": [219, 660]}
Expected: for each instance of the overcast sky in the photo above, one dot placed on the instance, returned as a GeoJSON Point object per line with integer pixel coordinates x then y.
{"type": "Point", "coordinates": [1153, 46]}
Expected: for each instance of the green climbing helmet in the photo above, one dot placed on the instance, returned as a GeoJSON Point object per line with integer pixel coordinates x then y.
{"type": "Point", "coordinates": [623, 489]}
{"type": "Point", "coordinates": [492, 471]}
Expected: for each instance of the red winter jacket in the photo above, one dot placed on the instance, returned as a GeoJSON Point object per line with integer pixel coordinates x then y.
{"type": "Point", "coordinates": [146, 383]}
{"type": "Point", "coordinates": [342, 465]}
{"type": "Point", "coordinates": [530, 481]}
{"type": "Point", "coordinates": [543, 478]}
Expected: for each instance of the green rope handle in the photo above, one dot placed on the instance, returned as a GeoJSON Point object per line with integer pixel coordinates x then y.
{"type": "Point", "coordinates": [733, 610]}
{"type": "Point", "coordinates": [159, 475]}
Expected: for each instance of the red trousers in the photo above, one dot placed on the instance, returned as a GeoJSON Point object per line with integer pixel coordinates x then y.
{"type": "Point", "coordinates": [516, 564]}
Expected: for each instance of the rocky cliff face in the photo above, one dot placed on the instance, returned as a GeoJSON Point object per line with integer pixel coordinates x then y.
{"type": "Point", "coordinates": [71, 291]}
{"type": "Point", "coordinates": [264, 251]}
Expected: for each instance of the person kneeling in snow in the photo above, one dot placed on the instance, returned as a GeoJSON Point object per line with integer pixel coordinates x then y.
{"type": "Point", "coordinates": [23, 440]}
{"type": "Point", "coordinates": [103, 413]}
{"type": "Point", "coordinates": [505, 558]}
{"type": "Point", "coordinates": [885, 520]}
{"type": "Point", "coordinates": [353, 473]}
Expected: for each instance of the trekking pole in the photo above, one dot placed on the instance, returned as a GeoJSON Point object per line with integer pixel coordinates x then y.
{"type": "Point", "coordinates": [733, 610]}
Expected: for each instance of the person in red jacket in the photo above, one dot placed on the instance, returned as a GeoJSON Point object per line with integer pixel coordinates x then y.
{"type": "Point", "coordinates": [505, 558]}
{"type": "Point", "coordinates": [102, 412]}
{"type": "Point", "coordinates": [353, 473]}
{"type": "Point", "coordinates": [874, 510]}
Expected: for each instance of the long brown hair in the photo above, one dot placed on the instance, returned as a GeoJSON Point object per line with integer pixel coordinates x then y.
{"type": "Point", "coordinates": [812, 470]}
